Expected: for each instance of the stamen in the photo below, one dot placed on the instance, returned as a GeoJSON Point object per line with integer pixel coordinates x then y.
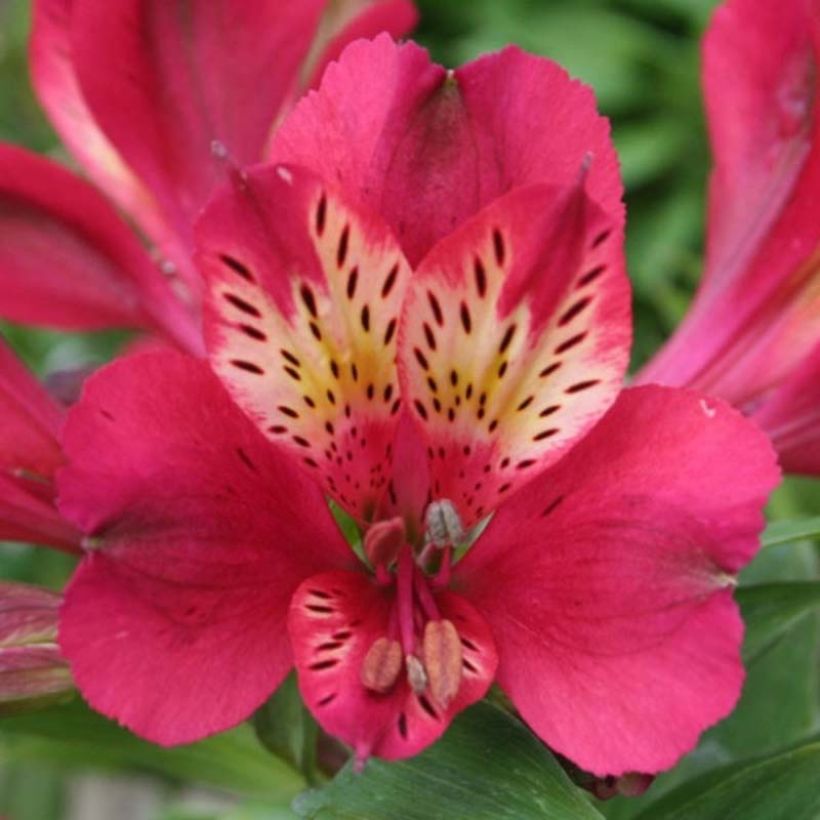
{"type": "Point", "coordinates": [444, 527]}
{"type": "Point", "coordinates": [442, 577]}
{"type": "Point", "coordinates": [404, 594]}
{"type": "Point", "coordinates": [382, 665]}
{"type": "Point", "coordinates": [383, 540]}
{"type": "Point", "coordinates": [441, 650]}
{"type": "Point", "coordinates": [416, 674]}
{"type": "Point", "coordinates": [425, 597]}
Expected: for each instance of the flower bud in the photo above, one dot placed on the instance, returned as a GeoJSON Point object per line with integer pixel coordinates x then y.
{"type": "Point", "coordinates": [32, 672]}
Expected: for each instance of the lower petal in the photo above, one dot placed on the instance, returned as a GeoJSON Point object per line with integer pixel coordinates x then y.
{"type": "Point", "coordinates": [173, 662]}
{"type": "Point", "coordinates": [335, 619]}
{"type": "Point", "coordinates": [199, 532]}
{"type": "Point", "coordinates": [607, 581]}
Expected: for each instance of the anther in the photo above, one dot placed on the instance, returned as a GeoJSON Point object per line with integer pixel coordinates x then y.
{"type": "Point", "coordinates": [218, 149]}
{"type": "Point", "coordinates": [416, 674]}
{"type": "Point", "coordinates": [382, 665]}
{"type": "Point", "coordinates": [444, 527]}
{"type": "Point", "coordinates": [383, 541]}
{"type": "Point", "coordinates": [441, 650]}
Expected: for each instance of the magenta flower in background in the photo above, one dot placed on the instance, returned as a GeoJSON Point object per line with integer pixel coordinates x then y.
{"type": "Point", "coordinates": [150, 100]}
{"type": "Point", "coordinates": [487, 380]}
{"type": "Point", "coordinates": [30, 454]}
{"type": "Point", "coordinates": [32, 671]}
{"type": "Point", "coordinates": [752, 335]}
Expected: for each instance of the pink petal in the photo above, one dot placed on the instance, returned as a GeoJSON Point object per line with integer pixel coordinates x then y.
{"type": "Point", "coordinates": [759, 81]}
{"type": "Point", "coordinates": [427, 150]}
{"type": "Point", "coordinates": [30, 453]}
{"type": "Point", "coordinates": [334, 620]}
{"type": "Point", "coordinates": [175, 90]}
{"type": "Point", "coordinates": [27, 513]}
{"type": "Point", "coordinates": [791, 418]}
{"type": "Point", "coordinates": [757, 314]}
{"type": "Point", "coordinates": [361, 19]}
{"type": "Point", "coordinates": [199, 533]}
{"type": "Point", "coordinates": [55, 82]}
{"type": "Point", "coordinates": [304, 300]}
{"type": "Point", "coordinates": [514, 341]}
{"type": "Point", "coordinates": [29, 420]}
{"type": "Point", "coordinates": [68, 261]}
{"type": "Point", "coordinates": [607, 581]}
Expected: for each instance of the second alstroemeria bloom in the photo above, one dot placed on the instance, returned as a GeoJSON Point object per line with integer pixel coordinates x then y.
{"type": "Point", "coordinates": [151, 97]}
{"type": "Point", "coordinates": [752, 335]}
{"type": "Point", "coordinates": [30, 454]}
{"type": "Point", "coordinates": [599, 596]}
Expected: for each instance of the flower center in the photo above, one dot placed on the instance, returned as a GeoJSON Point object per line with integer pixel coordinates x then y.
{"type": "Point", "coordinates": [419, 641]}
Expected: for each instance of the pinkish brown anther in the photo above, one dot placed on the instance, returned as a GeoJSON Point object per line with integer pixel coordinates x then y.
{"type": "Point", "coordinates": [382, 665]}
{"type": "Point", "coordinates": [416, 674]}
{"type": "Point", "coordinates": [383, 541]}
{"type": "Point", "coordinates": [441, 650]}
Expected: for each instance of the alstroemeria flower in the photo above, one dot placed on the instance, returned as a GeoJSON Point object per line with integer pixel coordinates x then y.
{"type": "Point", "coordinates": [30, 453]}
{"type": "Point", "coordinates": [150, 97]}
{"type": "Point", "coordinates": [32, 672]}
{"type": "Point", "coordinates": [599, 595]}
{"type": "Point", "coordinates": [752, 335]}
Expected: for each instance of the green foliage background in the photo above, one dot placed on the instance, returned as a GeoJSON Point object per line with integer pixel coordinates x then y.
{"type": "Point", "coordinates": [642, 58]}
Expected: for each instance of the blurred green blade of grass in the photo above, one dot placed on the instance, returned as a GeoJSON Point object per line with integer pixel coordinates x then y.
{"type": "Point", "coordinates": [75, 737]}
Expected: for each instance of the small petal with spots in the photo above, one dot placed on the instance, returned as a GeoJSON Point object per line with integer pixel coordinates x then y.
{"type": "Point", "coordinates": [304, 301]}
{"type": "Point", "coordinates": [335, 620]}
{"type": "Point", "coordinates": [514, 341]}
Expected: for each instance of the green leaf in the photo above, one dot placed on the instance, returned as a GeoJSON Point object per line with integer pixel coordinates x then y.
{"type": "Point", "coordinates": [787, 532]}
{"type": "Point", "coordinates": [615, 53]}
{"type": "Point", "coordinates": [781, 786]}
{"type": "Point", "coordinates": [287, 729]}
{"type": "Point", "coordinates": [73, 735]}
{"type": "Point", "coordinates": [31, 792]}
{"type": "Point", "coordinates": [488, 766]}
{"type": "Point", "coordinates": [779, 702]}
{"type": "Point", "coordinates": [770, 610]}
